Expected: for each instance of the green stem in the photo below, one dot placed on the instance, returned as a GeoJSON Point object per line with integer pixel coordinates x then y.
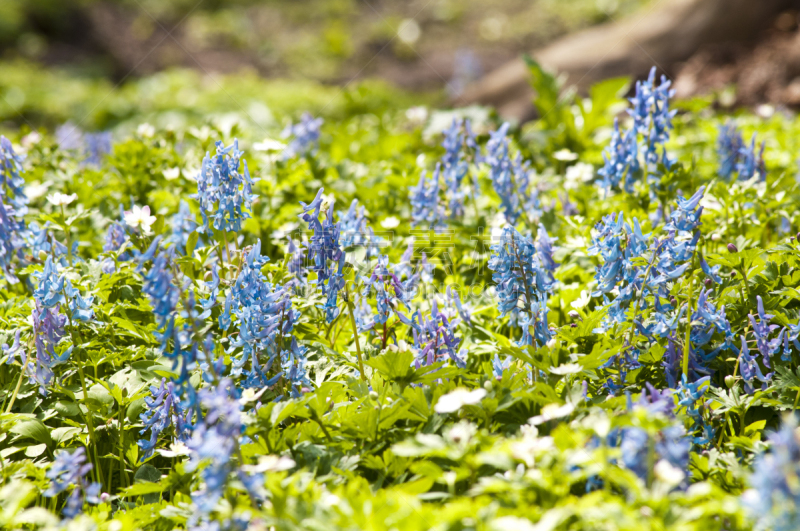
{"type": "Point", "coordinates": [688, 341]}
{"type": "Point", "coordinates": [16, 389]}
{"type": "Point", "coordinates": [355, 331]}
{"type": "Point", "coordinates": [90, 424]}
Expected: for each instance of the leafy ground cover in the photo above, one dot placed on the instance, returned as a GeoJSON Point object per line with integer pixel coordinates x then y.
{"type": "Point", "coordinates": [391, 317]}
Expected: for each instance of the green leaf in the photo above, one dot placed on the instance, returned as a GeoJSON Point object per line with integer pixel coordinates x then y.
{"type": "Point", "coordinates": [33, 429]}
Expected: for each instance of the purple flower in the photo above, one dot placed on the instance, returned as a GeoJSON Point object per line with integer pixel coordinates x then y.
{"type": "Point", "coordinates": [435, 339]}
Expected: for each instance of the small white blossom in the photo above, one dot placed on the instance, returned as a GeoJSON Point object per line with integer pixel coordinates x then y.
{"type": "Point", "coordinates": [565, 155]}
{"type": "Point", "coordinates": [59, 199]}
{"type": "Point", "coordinates": [567, 368]}
{"type": "Point", "coordinates": [140, 218]}
{"type": "Point", "coordinates": [453, 400]}
{"type": "Point", "coordinates": [552, 411]}
{"type": "Point", "coordinates": [578, 174]}
{"type": "Point", "coordinates": [666, 473]}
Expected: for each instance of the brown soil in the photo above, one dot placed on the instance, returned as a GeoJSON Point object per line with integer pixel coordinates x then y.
{"type": "Point", "coordinates": [765, 71]}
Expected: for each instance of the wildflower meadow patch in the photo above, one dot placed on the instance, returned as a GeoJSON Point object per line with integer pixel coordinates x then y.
{"type": "Point", "coordinates": [386, 316]}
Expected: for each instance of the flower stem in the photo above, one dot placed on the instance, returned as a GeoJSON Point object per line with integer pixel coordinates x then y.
{"type": "Point", "coordinates": [67, 230]}
{"type": "Point", "coordinates": [355, 331]}
{"type": "Point", "coordinates": [687, 348]}
{"type": "Point", "coordinates": [16, 389]}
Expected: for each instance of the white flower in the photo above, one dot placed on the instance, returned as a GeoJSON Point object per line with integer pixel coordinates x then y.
{"type": "Point", "coordinates": [453, 400]}
{"type": "Point", "coordinates": [271, 463]}
{"type": "Point", "coordinates": [140, 218]}
{"type": "Point", "coordinates": [578, 174]}
{"type": "Point", "coordinates": [269, 145]}
{"type": "Point", "coordinates": [565, 155]}
{"type": "Point", "coordinates": [582, 301]}
{"type": "Point", "coordinates": [175, 449]}
{"type": "Point", "coordinates": [417, 115]}
{"type": "Point", "coordinates": [567, 368]}
{"type": "Point", "coordinates": [552, 411]}
{"type": "Point", "coordinates": [666, 473]}
{"type": "Point", "coordinates": [59, 199]}
{"type": "Point", "coordinates": [146, 130]}
{"type": "Point", "coordinates": [171, 174]}
{"type": "Point", "coordinates": [35, 190]}
{"type": "Point", "coordinates": [390, 222]}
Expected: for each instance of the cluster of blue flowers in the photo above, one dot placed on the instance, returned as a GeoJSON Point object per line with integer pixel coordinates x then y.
{"type": "Point", "coordinates": [164, 409]}
{"type": "Point", "coordinates": [511, 179]}
{"type": "Point", "coordinates": [524, 280]}
{"type": "Point", "coordinates": [304, 135]}
{"type": "Point", "coordinates": [214, 445]}
{"type": "Point", "coordinates": [737, 157]}
{"type": "Point", "coordinates": [13, 206]}
{"type": "Point", "coordinates": [435, 338]}
{"type": "Point", "coordinates": [325, 253]}
{"type": "Point", "coordinates": [264, 318]}
{"type": "Point", "coordinates": [634, 153]}
{"type": "Point", "coordinates": [426, 209]}
{"type": "Point", "coordinates": [69, 470]}
{"type": "Point", "coordinates": [165, 290]}
{"type": "Point", "coordinates": [775, 495]}
{"type": "Point", "coordinates": [223, 191]}
{"type": "Point", "coordinates": [459, 145]}
{"type": "Point", "coordinates": [92, 146]}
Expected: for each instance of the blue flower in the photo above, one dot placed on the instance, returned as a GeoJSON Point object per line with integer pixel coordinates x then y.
{"type": "Point", "coordinates": [729, 146]}
{"type": "Point", "coordinates": [305, 136]}
{"type": "Point", "coordinates": [689, 394]}
{"type": "Point", "coordinates": [12, 243]}
{"type": "Point", "coordinates": [455, 163]}
{"type": "Point", "coordinates": [96, 145]}
{"type": "Point", "coordinates": [296, 264]}
{"type": "Point", "coordinates": [751, 163]}
{"type": "Point", "coordinates": [323, 251]}
{"type": "Point", "coordinates": [164, 409]}
{"type": "Point", "coordinates": [621, 158]}
{"type": "Point", "coordinates": [183, 225]}
{"type": "Point", "coordinates": [390, 292]}
{"type": "Point", "coordinates": [651, 115]}
{"type": "Point", "coordinates": [69, 469]}
{"type": "Point", "coordinates": [264, 320]}
{"type": "Point", "coordinates": [425, 208]}
{"type": "Point", "coordinates": [750, 370]}
{"type": "Point", "coordinates": [762, 331]}
{"type": "Point", "coordinates": [435, 339]}
{"type": "Point", "coordinates": [12, 192]}
{"type": "Point", "coordinates": [293, 364]}
{"type": "Point", "coordinates": [522, 284]}
{"type": "Point", "coordinates": [686, 217]}
{"type": "Point", "coordinates": [214, 443]}
{"type": "Point", "coordinates": [48, 330]}
{"type": "Point", "coordinates": [775, 496]}
{"type": "Point", "coordinates": [224, 193]}
{"type": "Point", "coordinates": [355, 231]}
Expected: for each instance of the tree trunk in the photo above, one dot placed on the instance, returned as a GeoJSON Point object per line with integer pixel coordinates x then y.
{"type": "Point", "coordinates": [663, 34]}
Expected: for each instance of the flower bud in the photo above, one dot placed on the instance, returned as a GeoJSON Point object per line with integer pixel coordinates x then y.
{"type": "Point", "coordinates": [708, 282]}
{"type": "Point", "coordinates": [488, 386]}
{"type": "Point", "coordinates": [732, 248]}
{"type": "Point", "coordinates": [797, 236]}
{"type": "Point", "coordinates": [673, 301]}
{"type": "Point", "coordinates": [42, 256]}
{"type": "Point", "coordinates": [573, 314]}
{"type": "Point", "coordinates": [373, 395]}
{"type": "Point", "coordinates": [729, 381]}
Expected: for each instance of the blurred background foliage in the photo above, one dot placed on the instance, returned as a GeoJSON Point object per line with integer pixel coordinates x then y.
{"type": "Point", "coordinates": [59, 60]}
